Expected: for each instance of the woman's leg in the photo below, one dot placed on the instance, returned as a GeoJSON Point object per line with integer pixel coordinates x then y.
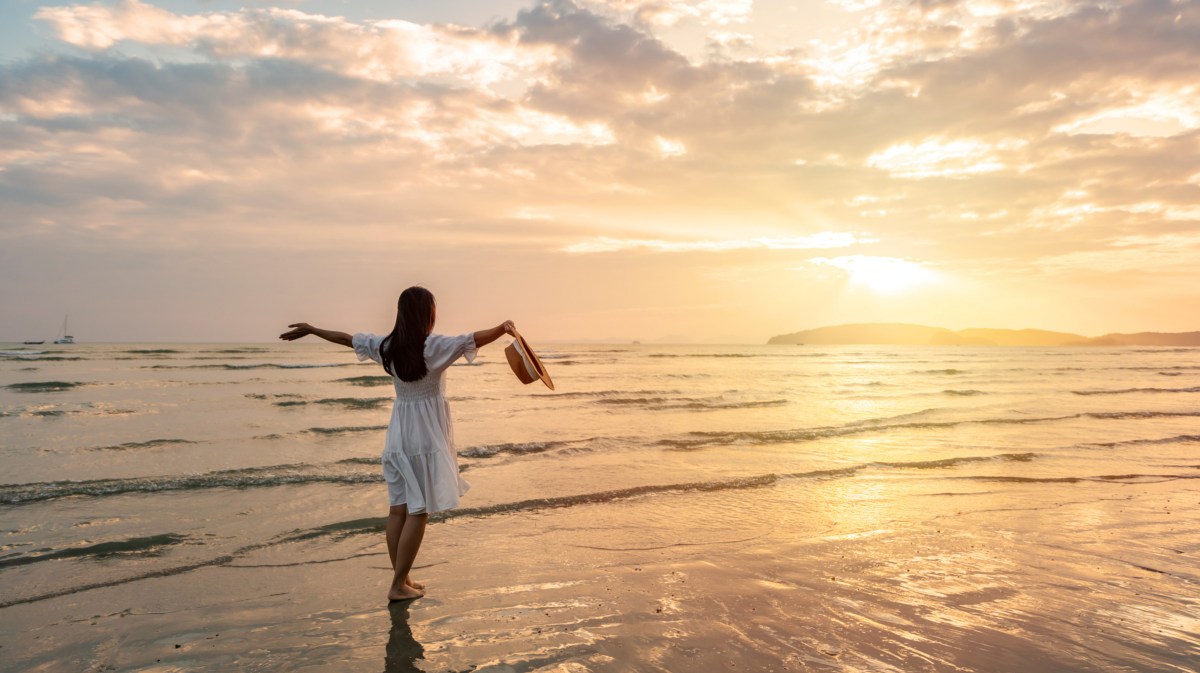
{"type": "Point", "coordinates": [397, 514]}
{"type": "Point", "coordinates": [408, 543]}
{"type": "Point", "coordinates": [395, 523]}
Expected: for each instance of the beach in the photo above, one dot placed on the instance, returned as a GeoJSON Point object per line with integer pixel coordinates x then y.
{"type": "Point", "coordinates": [667, 508]}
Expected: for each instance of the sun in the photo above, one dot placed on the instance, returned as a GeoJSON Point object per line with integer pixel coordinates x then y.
{"type": "Point", "coordinates": [882, 275]}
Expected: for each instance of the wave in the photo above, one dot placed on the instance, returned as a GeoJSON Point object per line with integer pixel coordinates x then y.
{"type": "Point", "coordinates": [772, 354]}
{"type": "Point", "coordinates": [947, 372]}
{"type": "Point", "coordinates": [647, 401]}
{"type": "Point", "coordinates": [515, 448]}
{"type": "Point", "coordinates": [44, 386]}
{"type": "Point", "coordinates": [1150, 368]}
{"type": "Point", "coordinates": [150, 351]}
{"type": "Point", "coordinates": [1103, 478]}
{"type": "Point", "coordinates": [491, 450]}
{"type": "Point", "coordinates": [699, 439]}
{"type": "Point", "coordinates": [963, 393]}
{"type": "Point", "coordinates": [689, 403]}
{"type": "Point", "coordinates": [41, 358]}
{"type": "Point", "coordinates": [954, 462]}
{"type": "Point", "coordinates": [344, 529]}
{"type": "Point", "coordinates": [357, 402]}
{"type": "Point", "coordinates": [344, 472]}
{"type": "Point", "coordinates": [344, 429]}
{"type": "Point", "coordinates": [152, 545]}
{"type": "Point", "coordinates": [1124, 391]}
{"type": "Point", "coordinates": [703, 406]}
{"type": "Point", "coordinates": [607, 393]}
{"type": "Point", "coordinates": [1109, 415]}
{"type": "Point", "coordinates": [362, 460]}
{"type": "Point", "coordinates": [1168, 349]}
{"type": "Point", "coordinates": [706, 355]}
{"type": "Point", "coordinates": [373, 525]}
{"type": "Point", "coordinates": [352, 403]}
{"type": "Point", "coordinates": [87, 410]}
{"type": "Point", "coordinates": [262, 365]}
{"type": "Point", "coordinates": [248, 349]}
{"type": "Point", "coordinates": [367, 380]}
{"type": "Point", "coordinates": [275, 475]}
{"type": "Point", "coordinates": [153, 443]}
{"type": "Point", "coordinates": [1177, 439]}
{"type": "Point", "coordinates": [351, 471]}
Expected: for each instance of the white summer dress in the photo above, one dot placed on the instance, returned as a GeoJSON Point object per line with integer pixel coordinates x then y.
{"type": "Point", "coordinates": [420, 464]}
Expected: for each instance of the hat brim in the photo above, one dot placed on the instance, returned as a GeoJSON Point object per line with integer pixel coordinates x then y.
{"type": "Point", "coordinates": [526, 364]}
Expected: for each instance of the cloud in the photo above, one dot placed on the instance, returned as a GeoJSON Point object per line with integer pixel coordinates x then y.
{"type": "Point", "coordinates": [941, 158]}
{"type": "Point", "coordinates": [991, 137]}
{"type": "Point", "coordinates": [378, 50]}
{"type": "Point", "coordinates": [1155, 114]}
{"type": "Point", "coordinates": [825, 239]}
{"type": "Point", "coordinates": [670, 148]}
{"type": "Point", "coordinates": [671, 13]}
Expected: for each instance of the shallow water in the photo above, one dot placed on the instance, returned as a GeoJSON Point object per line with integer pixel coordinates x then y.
{"type": "Point", "coordinates": [678, 508]}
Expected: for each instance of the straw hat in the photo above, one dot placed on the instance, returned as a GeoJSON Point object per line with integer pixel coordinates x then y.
{"type": "Point", "coordinates": [525, 363]}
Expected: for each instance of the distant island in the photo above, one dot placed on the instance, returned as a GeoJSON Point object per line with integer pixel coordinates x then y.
{"type": "Point", "coordinates": [900, 334]}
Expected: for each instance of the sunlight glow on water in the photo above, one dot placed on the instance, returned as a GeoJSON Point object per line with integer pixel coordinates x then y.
{"type": "Point", "coordinates": [1011, 496]}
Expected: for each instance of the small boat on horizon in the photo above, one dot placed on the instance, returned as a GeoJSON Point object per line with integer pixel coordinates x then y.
{"type": "Point", "coordinates": [34, 343]}
{"type": "Point", "coordinates": [64, 338]}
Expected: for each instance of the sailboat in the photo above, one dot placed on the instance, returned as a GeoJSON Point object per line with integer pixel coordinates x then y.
{"type": "Point", "coordinates": [65, 338]}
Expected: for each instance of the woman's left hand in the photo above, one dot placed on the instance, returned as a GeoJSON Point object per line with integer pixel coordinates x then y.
{"type": "Point", "coordinates": [299, 330]}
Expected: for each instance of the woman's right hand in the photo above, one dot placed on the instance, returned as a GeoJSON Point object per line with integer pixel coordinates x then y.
{"type": "Point", "coordinates": [299, 330]}
{"type": "Point", "coordinates": [509, 327]}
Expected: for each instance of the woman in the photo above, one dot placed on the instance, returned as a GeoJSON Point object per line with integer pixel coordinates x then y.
{"type": "Point", "coordinates": [420, 464]}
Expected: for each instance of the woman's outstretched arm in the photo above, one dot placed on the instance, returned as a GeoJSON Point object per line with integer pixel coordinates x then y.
{"type": "Point", "coordinates": [487, 336]}
{"type": "Point", "coordinates": [303, 329]}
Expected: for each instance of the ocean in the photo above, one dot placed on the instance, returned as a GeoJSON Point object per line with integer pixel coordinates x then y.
{"type": "Point", "coordinates": [678, 508]}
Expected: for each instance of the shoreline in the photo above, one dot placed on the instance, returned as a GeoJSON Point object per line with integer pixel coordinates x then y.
{"type": "Point", "coordinates": [913, 588]}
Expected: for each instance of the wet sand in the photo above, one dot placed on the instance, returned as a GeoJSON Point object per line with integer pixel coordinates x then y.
{"type": "Point", "coordinates": [868, 573]}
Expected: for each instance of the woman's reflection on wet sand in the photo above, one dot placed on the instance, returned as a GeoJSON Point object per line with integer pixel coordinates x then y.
{"type": "Point", "coordinates": [403, 651]}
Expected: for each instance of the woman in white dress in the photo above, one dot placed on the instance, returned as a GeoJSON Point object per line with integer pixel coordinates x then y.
{"type": "Point", "coordinates": [420, 464]}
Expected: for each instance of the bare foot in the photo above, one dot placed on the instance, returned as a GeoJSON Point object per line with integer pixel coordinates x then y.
{"type": "Point", "coordinates": [416, 585]}
{"type": "Point", "coordinates": [404, 593]}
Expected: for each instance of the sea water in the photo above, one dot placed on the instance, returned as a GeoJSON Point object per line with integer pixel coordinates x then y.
{"type": "Point", "coordinates": [122, 463]}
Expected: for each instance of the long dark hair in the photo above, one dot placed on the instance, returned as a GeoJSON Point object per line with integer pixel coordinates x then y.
{"type": "Point", "coordinates": [403, 351]}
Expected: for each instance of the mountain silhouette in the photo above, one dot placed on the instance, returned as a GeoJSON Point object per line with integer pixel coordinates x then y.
{"type": "Point", "coordinates": [903, 334]}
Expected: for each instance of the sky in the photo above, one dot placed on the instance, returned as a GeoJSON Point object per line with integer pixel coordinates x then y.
{"type": "Point", "coordinates": [663, 170]}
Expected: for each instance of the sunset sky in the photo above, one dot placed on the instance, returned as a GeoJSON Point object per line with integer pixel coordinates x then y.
{"type": "Point", "coordinates": [708, 170]}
